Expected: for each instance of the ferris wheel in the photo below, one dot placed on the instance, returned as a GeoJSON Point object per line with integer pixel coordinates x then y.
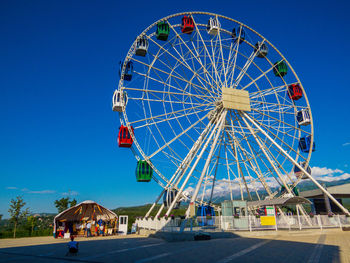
{"type": "Point", "coordinates": [211, 108]}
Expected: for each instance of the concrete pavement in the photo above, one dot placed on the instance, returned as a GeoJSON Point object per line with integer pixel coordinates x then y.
{"type": "Point", "coordinates": [281, 246]}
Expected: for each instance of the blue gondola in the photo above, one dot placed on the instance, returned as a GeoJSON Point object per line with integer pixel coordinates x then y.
{"type": "Point", "coordinates": [168, 198]}
{"type": "Point", "coordinates": [305, 143]}
{"type": "Point", "coordinates": [203, 212]}
{"type": "Point", "coordinates": [129, 67]}
{"type": "Point", "coordinates": [238, 32]}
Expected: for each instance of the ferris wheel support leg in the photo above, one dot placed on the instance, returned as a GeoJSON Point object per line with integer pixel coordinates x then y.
{"type": "Point", "coordinates": [154, 204]}
{"type": "Point", "coordinates": [210, 155]}
{"type": "Point", "coordinates": [194, 165]}
{"type": "Point", "coordinates": [239, 168]}
{"type": "Point", "coordinates": [275, 168]}
{"type": "Point", "coordinates": [180, 170]}
{"type": "Point", "coordinates": [261, 178]}
{"type": "Point", "coordinates": [190, 156]}
{"type": "Point", "coordinates": [299, 206]}
{"type": "Point", "coordinates": [262, 146]}
{"type": "Point", "coordinates": [258, 172]}
{"type": "Point", "coordinates": [305, 215]}
{"type": "Point", "coordinates": [297, 164]}
{"type": "Point", "coordinates": [271, 195]}
{"type": "Point", "coordinates": [160, 210]}
{"type": "Point", "coordinates": [216, 170]}
{"type": "Point", "coordinates": [228, 174]}
{"type": "Point", "coordinates": [257, 169]}
{"type": "Point", "coordinates": [245, 165]}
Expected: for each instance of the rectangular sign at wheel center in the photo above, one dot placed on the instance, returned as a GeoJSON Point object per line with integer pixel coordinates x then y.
{"type": "Point", "coordinates": [235, 99]}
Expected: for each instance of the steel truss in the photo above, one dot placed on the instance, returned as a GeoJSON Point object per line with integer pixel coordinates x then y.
{"type": "Point", "coordinates": [194, 144]}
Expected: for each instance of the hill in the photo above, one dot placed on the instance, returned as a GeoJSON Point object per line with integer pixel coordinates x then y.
{"type": "Point", "coordinates": [139, 211]}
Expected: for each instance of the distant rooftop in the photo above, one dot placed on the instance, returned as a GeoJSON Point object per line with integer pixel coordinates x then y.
{"type": "Point", "coordinates": [279, 201]}
{"type": "Point", "coordinates": [338, 191]}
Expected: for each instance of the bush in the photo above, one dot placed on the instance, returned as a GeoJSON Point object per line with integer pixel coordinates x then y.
{"type": "Point", "coordinates": [26, 233]}
{"type": "Point", "coordinates": [6, 234]}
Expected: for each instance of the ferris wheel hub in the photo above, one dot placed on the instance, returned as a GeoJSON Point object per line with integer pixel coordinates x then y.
{"type": "Point", "coordinates": [213, 114]}
{"type": "Point", "coordinates": [235, 99]}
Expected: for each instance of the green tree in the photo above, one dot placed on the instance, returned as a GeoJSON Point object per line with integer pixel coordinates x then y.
{"type": "Point", "coordinates": [63, 203]}
{"type": "Point", "coordinates": [73, 202]}
{"type": "Point", "coordinates": [1, 217]}
{"type": "Point", "coordinates": [16, 213]}
{"type": "Point", "coordinates": [32, 222]}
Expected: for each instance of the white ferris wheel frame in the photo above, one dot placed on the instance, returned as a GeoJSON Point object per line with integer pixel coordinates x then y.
{"type": "Point", "coordinates": [211, 134]}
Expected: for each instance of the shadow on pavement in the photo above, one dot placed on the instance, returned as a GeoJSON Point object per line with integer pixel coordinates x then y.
{"type": "Point", "coordinates": [229, 249]}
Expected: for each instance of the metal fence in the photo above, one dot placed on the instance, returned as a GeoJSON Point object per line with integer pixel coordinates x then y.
{"type": "Point", "coordinates": [247, 223]}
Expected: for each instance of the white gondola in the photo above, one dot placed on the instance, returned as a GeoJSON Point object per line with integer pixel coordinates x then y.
{"type": "Point", "coordinates": [303, 117]}
{"type": "Point", "coordinates": [298, 173]}
{"type": "Point", "coordinates": [141, 46]}
{"type": "Point", "coordinates": [119, 101]}
{"type": "Point", "coordinates": [262, 51]}
{"type": "Point", "coordinates": [168, 198]}
{"type": "Point", "coordinates": [213, 26]}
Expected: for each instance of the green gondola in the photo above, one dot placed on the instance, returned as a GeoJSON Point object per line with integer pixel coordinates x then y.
{"type": "Point", "coordinates": [144, 171]}
{"type": "Point", "coordinates": [280, 69]}
{"type": "Point", "coordinates": [163, 31]}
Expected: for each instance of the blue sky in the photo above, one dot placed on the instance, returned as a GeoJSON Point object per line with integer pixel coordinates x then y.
{"type": "Point", "coordinates": [58, 71]}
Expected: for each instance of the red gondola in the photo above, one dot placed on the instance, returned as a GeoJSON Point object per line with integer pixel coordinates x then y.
{"type": "Point", "coordinates": [295, 92]}
{"type": "Point", "coordinates": [187, 25]}
{"type": "Point", "coordinates": [124, 138]}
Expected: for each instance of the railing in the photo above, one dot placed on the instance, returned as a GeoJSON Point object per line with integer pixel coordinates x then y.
{"type": "Point", "coordinates": [248, 223]}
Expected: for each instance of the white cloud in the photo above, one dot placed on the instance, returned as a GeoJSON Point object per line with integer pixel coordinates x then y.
{"type": "Point", "coordinates": [334, 178]}
{"type": "Point", "coordinates": [28, 191]}
{"type": "Point", "coordinates": [328, 175]}
{"type": "Point", "coordinates": [41, 192]}
{"type": "Point", "coordinates": [223, 186]}
{"type": "Point", "coordinates": [319, 171]}
{"type": "Point", "coordinates": [11, 188]}
{"type": "Point", "coordinates": [71, 193]}
{"type": "Point", "coordinates": [346, 144]}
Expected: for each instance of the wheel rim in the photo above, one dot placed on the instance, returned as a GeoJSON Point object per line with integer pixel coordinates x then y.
{"type": "Point", "coordinates": [180, 81]}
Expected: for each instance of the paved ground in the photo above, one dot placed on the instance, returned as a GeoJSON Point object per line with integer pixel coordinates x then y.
{"type": "Point", "coordinates": [309, 246]}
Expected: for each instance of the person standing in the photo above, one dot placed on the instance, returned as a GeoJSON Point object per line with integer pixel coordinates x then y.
{"type": "Point", "coordinates": [84, 227]}
{"type": "Point", "coordinates": [88, 229]}
{"type": "Point", "coordinates": [96, 229]}
{"type": "Point", "coordinates": [101, 230]}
